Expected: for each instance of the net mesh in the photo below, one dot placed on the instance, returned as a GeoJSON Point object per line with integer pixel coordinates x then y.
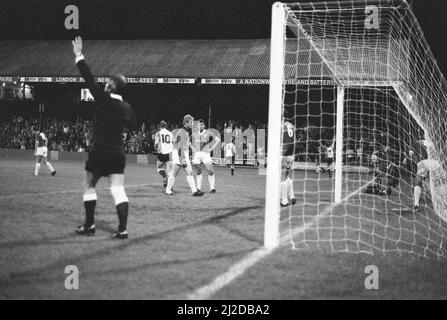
{"type": "Point", "coordinates": [394, 97]}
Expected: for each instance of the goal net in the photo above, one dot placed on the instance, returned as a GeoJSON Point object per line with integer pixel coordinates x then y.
{"type": "Point", "coordinates": [358, 81]}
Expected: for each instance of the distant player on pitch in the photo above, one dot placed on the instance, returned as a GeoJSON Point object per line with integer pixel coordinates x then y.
{"type": "Point", "coordinates": [321, 154]}
{"type": "Point", "coordinates": [330, 154]}
{"type": "Point", "coordinates": [164, 145]}
{"type": "Point", "coordinates": [41, 153]}
{"type": "Point", "coordinates": [425, 167]}
{"type": "Point", "coordinates": [180, 157]}
{"type": "Point", "coordinates": [230, 155]}
{"type": "Point", "coordinates": [207, 141]}
{"type": "Point", "coordinates": [288, 157]}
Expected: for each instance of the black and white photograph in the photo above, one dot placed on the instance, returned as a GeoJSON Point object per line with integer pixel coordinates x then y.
{"type": "Point", "coordinates": [223, 155]}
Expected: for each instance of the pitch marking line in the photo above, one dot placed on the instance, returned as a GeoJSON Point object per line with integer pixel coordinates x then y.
{"type": "Point", "coordinates": [239, 268]}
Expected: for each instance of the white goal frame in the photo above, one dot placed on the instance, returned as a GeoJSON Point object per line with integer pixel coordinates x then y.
{"type": "Point", "coordinates": [277, 52]}
{"type": "Point", "coordinates": [281, 17]}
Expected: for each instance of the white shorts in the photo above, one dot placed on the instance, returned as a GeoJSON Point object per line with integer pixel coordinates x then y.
{"type": "Point", "coordinates": [42, 151]}
{"type": "Point", "coordinates": [176, 160]}
{"type": "Point", "coordinates": [425, 166]}
{"type": "Point", "coordinates": [202, 157]}
{"type": "Point", "coordinates": [287, 162]}
{"type": "Point", "coordinates": [175, 157]}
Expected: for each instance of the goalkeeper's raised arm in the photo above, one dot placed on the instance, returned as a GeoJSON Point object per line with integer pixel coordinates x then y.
{"type": "Point", "coordinates": [95, 89]}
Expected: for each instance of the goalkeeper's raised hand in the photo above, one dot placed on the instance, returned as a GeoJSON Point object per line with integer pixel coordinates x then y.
{"type": "Point", "coordinates": [77, 46]}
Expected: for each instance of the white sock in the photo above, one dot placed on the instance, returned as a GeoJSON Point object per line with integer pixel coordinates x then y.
{"type": "Point", "coordinates": [50, 167]}
{"type": "Point", "coordinates": [36, 171]}
{"type": "Point", "coordinates": [212, 181]}
{"type": "Point", "coordinates": [417, 195]}
{"type": "Point", "coordinates": [199, 178]}
{"type": "Point", "coordinates": [284, 199]}
{"type": "Point", "coordinates": [192, 183]}
{"type": "Point", "coordinates": [290, 188]}
{"type": "Point", "coordinates": [171, 180]}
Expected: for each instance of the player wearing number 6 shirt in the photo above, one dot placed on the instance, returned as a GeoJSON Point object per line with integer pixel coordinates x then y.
{"type": "Point", "coordinates": [204, 142]}
{"type": "Point", "coordinates": [107, 157]}
{"type": "Point", "coordinates": [288, 156]}
{"type": "Point", "coordinates": [164, 146]}
{"type": "Point", "coordinates": [180, 157]}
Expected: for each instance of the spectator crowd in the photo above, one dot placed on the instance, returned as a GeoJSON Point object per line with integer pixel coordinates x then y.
{"type": "Point", "coordinates": [76, 135]}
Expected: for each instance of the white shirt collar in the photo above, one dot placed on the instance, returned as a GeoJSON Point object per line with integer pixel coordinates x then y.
{"type": "Point", "coordinates": [116, 96]}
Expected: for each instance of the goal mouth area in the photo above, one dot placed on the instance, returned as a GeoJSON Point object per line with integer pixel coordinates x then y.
{"type": "Point", "coordinates": [352, 4]}
{"type": "Point", "coordinates": [362, 223]}
{"type": "Point", "coordinates": [387, 93]}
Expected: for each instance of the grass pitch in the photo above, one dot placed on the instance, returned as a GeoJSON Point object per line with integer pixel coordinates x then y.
{"type": "Point", "coordinates": [178, 244]}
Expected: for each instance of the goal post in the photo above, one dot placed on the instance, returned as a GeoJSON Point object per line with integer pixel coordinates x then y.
{"type": "Point", "coordinates": [272, 207]}
{"type": "Point", "coordinates": [362, 73]}
{"type": "Point", "coordinates": [339, 144]}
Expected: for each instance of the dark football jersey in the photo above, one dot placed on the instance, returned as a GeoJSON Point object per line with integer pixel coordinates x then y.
{"type": "Point", "coordinates": [182, 141]}
{"type": "Point", "coordinates": [111, 115]}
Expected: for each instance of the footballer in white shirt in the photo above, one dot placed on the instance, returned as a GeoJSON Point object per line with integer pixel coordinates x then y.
{"type": "Point", "coordinates": [230, 155]}
{"type": "Point", "coordinates": [41, 153]}
{"type": "Point", "coordinates": [164, 145]}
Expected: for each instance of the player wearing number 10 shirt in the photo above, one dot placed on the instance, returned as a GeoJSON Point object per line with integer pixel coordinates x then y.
{"type": "Point", "coordinates": [164, 145]}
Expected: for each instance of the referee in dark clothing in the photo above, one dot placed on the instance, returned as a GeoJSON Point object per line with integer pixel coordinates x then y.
{"type": "Point", "coordinates": [107, 157]}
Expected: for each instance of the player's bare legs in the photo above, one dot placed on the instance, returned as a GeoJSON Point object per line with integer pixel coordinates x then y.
{"type": "Point", "coordinates": [283, 187]}
{"type": "Point", "coordinates": [286, 185]}
{"type": "Point", "coordinates": [49, 166]}
{"type": "Point", "coordinates": [163, 172]}
{"type": "Point", "coordinates": [169, 169]}
{"type": "Point", "coordinates": [37, 168]}
{"type": "Point", "coordinates": [417, 192]}
{"type": "Point", "coordinates": [290, 190]}
{"type": "Point", "coordinates": [171, 178]}
{"type": "Point", "coordinates": [199, 177]}
{"type": "Point", "coordinates": [39, 160]}
{"type": "Point", "coordinates": [190, 179]}
{"type": "Point", "coordinates": [89, 198]}
{"type": "Point", "coordinates": [121, 202]}
{"type": "Point", "coordinates": [211, 178]}
{"type": "Point", "coordinates": [198, 170]}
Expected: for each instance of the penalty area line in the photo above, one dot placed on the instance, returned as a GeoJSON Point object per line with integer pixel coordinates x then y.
{"type": "Point", "coordinates": [239, 268]}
